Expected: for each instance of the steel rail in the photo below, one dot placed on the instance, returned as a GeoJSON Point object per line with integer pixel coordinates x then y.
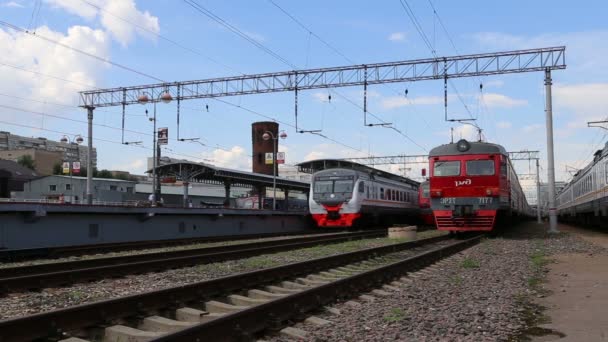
{"type": "Point", "coordinates": [242, 325]}
{"type": "Point", "coordinates": [54, 324]}
{"type": "Point", "coordinates": [63, 273]}
{"type": "Point", "coordinates": [13, 255]}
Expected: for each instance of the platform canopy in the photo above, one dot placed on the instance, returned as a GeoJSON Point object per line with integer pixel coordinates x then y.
{"type": "Point", "coordinates": [210, 174]}
{"type": "Point", "coordinates": [313, 166]}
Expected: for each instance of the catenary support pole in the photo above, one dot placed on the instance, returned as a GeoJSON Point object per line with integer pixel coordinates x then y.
{"type": "Point", "coordinates": [90, 155]}
{"type": "Point", "coordinates": [550, 156]}
{"type": "Point", "coordinates": [538, 218]}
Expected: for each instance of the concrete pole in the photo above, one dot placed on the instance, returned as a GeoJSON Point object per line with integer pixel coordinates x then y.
{"type": "Point", "coordinates": [274, 172]}
{"type": "Point", "coordinates": [550, 155]}
{"type": "Point", "coordinates": [154, 156]}
{"type": "Point", "coordinates": [538, 218]}
{"type": "Point", "coordinates": [186, 184]}
{"type": "Point", "coordinates": [90, 155]}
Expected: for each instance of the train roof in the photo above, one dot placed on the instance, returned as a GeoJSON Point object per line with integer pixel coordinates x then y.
{"type": "Point", "coordinates": [475, 147]}
{"type": "Point", "coordinates": [313, 166]}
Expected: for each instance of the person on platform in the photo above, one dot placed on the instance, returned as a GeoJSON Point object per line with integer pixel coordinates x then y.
{"type": "Point", "coordinates": [151, 199]}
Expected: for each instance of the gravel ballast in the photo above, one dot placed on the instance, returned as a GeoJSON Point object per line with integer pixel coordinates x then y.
{"type": "Point", "coordinates": [484, 294]}
{"type": "Point", "coordinates": [20, 304]}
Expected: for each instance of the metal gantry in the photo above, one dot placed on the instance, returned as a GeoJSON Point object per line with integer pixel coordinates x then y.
{"type": "Point", "coordinates": [438, 68]}
{"type": "Point", "coordinates": [531, 155]}
{"type": "Point", "coordinates": [518, 61]}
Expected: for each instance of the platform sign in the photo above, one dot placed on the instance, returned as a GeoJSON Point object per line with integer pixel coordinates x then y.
{"type": "Point", "coordinates": [280, 157]}
{"type": "Point", "coordinates": [76, 167]}
{"type": "Point", "coordinates": [163, 136]}
{"type": "Point", "coordinates": [66, 167]}
{"type": "Point", "coordinates": [268, 158]}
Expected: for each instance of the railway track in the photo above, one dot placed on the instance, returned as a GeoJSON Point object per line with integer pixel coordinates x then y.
{"type": "Point", "coordinates": [13, 255]}
{"type": "Point", "coordinates": [236, 307]}
{"type": "Point", "coordinates": [64, 273]}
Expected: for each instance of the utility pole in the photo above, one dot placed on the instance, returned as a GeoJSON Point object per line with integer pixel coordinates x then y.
{"type": "Point", "coordinates": [538, 217]}
{"type": "Point", "coordinates": [550, 155]}
{"type": "Point", "coordinates": [90, 154]}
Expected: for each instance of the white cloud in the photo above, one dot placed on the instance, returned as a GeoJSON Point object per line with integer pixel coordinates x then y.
{"type": "Point", "coordinates": [12, 4]}
{"type": "Point", "coordinates": [109, 12]}
{"type": "Point", "coordinates": [34, 54]}
{"type": "Point", "coordinates": [500, 100]}
{"type": "Point", "coordinates": [235, 158]}
{"type": "Point", "coordinates": [503, 124]}
{"type": "Point", "coordinates": [397, 36]}
{"type": "Point", "coordinates": [532, 128]}
{"type": "Point", "coordinates": [399, 101]}
{"type": "Point", "coordinates": [587, 101]}
{"type": "Point", "coordinates": [494, 84]}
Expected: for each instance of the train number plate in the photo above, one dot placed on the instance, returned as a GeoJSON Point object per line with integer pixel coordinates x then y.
{"type": "Point", "coordinates": [485, 200]}
{"type": "Point", "coordinates": [448, 200]}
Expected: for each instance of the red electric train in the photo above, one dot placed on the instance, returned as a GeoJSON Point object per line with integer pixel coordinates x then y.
{"type": "Point", "coordinates": [472, 186]}
{"type": "Point", "coordinates": [424, 201]}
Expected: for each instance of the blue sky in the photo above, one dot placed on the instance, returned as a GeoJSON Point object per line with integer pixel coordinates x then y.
{"type": "Point", "coordinates": [510, 109]}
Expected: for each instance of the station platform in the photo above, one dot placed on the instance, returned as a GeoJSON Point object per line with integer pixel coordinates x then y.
{"type": "Point", "coordinates": [33, 225]}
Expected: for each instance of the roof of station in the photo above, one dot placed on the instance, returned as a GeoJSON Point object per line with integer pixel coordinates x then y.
{"type": "Point", "coordinates": [210, 174]}
{"type": "Point", "coordinates": [313, 166]}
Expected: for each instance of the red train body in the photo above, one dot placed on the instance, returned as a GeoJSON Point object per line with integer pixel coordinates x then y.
{"type": "Point", "coordinates": [472, 184]}
{"type": "Point", "coordinates": [424, 201]}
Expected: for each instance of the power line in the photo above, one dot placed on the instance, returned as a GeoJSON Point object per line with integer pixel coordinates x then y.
{"type": "Point", "coordinates": [236, 31]}
{"type": "Point", "coordinates": [101, 59]}
{"type": "Point", "coordinates": [180, 45]}
{"type": "Point", "coordinates": [47, 75]}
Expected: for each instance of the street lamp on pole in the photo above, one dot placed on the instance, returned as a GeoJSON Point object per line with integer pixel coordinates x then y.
{"type": "Point", "coordinates": [267, 136]}
{"type": "Point", "coordinates": [144, 98]}
{"type": "Point", "coordinates": [78, 140]}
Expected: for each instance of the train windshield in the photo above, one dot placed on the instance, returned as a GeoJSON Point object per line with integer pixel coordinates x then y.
{"type": "Point", "coordinates": [426, 192]}
{"type": "Point", "coordinates": [343, 186]}
{"type": "Point", "coordinates": [446, 168]}
{"type": "Point", "coordinates": [323, 186]}
{"type": "Point", "coordinates": [334, 184]}
{"type": "Point", "coordinates": [480, 168]}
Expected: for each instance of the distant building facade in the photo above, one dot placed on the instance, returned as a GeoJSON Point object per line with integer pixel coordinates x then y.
{"type": "Point", "coordinates": [69, 151]}
{"type": "Point", "coordinates": [13, 177]}
{"type": "Point", "coordinates": [44, 161]}
{"type": "Point", "coordinates": [291, 172]}
{"type": "Point", "coordinates": [73, 189]}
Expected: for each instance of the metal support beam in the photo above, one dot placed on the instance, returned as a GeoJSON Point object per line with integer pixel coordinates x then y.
{"type": "Point", "coordinates": [538, 216]}
{"type": "Point", "coordinates": [518, 61]}
{"type": "Point", "coordinates": [90, 154]}
{"type": "Point", "coordinates": [550, 154]}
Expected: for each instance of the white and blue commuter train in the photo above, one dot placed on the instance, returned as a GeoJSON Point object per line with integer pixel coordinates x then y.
{"type": "Point", "coordinates": [585, 198]}
{"type": "Point", "coordinates": [345, 194]}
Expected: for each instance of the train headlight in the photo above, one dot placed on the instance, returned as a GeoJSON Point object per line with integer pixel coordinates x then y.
{"type": "Point", "coordinates": [462, 145]}
{"type": "Point", "coordinates": [489, 192]}
{"type": "Point", "coordinates": [436, 193]}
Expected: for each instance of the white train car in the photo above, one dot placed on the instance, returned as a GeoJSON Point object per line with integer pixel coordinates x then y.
{"type": "Point", "coordinates": [585, 199]}
{"type": "Point", "coordinates": [345, 194]}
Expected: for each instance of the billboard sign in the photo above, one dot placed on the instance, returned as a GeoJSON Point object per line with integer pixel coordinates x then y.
{"type": "Point", "coordinates": [66, 167]}
{"type": "Point", "coordinates": [76, 167]}
{"type": "Point", "coordinates": [268, 158]}
{"type": "Point", "coordinates": [163, 136]}
{"type": "Point", "coordinates": [280, 157]}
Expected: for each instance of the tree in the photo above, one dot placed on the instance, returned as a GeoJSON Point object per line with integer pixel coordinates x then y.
{"type": "Point", "coordinates": [57, 169]}
{"type": "Point", "coordinates": [27, 161]}
{"type": "Point", "coordinates": [104, 174]}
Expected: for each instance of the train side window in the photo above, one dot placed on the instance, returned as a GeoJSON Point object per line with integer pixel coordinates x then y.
{"type": "Point", "coordinates": [362, 186]}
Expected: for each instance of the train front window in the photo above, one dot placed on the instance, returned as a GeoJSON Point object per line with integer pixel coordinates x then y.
{"type": "Point", "coordinates": [343, 186]}
{"type": "Point", "coordinates": [322, 187]}
{"type": "Point", "coordinates": [426, 192]}
{"type": "Point", "coordinates": [480, 168]}
{"type": "Point", "coordinates": [446, 168]}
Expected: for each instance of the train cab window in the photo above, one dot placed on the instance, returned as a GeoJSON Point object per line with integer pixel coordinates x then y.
{"type": "Point", "coordinates": [362, 186]}
{"type": "Point", "coordinates": [426, 191]}
{"type": "Point", "coordinates": [446, 168]}
{"type": "Point", "coordinates": [344, 186]}
{"type": "Point", "coordinates": [480, 168]}
{"type": "Point", "coordinates": [322, 187]}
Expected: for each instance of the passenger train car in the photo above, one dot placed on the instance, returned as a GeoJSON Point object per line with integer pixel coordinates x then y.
{"type": "Point", "coordinates": [472, 184]}
{"type": "Point", "coordinates": [344, 194]}
{"type": "Point", "coordinates": [585, 198]}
